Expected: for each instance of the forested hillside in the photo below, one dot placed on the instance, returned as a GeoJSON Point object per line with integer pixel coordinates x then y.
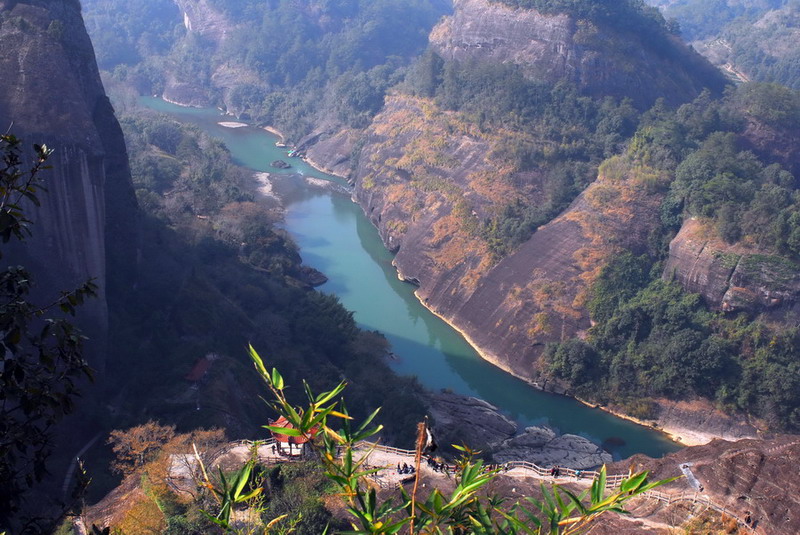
{"type": "Point", "coordinates": [753, 40]}
{"type": "Point", "coordinates": [288, 64]}
{"type": "Point", "coordinates": [650, 338]}
{"type": "Point", "coordinates": [212, 284]}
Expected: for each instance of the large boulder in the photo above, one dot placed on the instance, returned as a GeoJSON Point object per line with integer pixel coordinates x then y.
{"type": "Point", "coordinates": [541, 445]}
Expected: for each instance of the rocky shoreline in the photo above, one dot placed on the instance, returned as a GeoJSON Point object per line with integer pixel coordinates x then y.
{"type": "Point", "coordinates": [481, 426]}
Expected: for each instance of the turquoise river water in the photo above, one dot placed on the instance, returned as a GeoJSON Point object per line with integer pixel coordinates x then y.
{"type": "Point", "coordinates": [336, 238]}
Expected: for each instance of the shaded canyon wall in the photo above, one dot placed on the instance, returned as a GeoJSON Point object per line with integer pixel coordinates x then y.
{"type": "Point", "coordinates": [50, 92]}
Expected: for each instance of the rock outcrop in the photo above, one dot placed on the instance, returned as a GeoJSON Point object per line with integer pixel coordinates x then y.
{"type": "Point", "coordinates": [551, 48]}
{"type": "Point", "coordinates": [732, 278]}
{"type": "Point", "coordinates": [50, 92]}
{"type": "Point", "coordinates": [460, 419]}
{"type": "Point", "coordinates": [699, 421]}
{"type": "Point", "coordinates": [755, 476]}
{"type": "Point", "coordinates": [330, 149]}
{"type": "Point", "coordinates": [542, 446]}
{"type": "Point", "coordinates": [202, 19]}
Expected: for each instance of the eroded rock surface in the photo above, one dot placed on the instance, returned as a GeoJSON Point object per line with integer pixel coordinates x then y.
{"type": "Point", "coordinates": [542, 446]}
{"type": "Point", "coordinates": [472, 421]}
{"type": "Point", "coordinates": [481, 426]}
{"type": "Point", "coordinates": [560, 47]}
{"type": "Point", "coordinates": [732, 278]}
{"type": "Point", "coordinates": [749, 475]}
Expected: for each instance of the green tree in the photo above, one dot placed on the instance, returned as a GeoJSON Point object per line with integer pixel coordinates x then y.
{"type": "Point", "coordinates": [41, 358]}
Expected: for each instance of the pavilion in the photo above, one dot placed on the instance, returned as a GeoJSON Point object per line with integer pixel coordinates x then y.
{"type": "Point", "coordinates": [289, 444]}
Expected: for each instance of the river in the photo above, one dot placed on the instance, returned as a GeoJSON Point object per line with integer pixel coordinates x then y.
{"type": "Point", "coordinates": [336, 238]}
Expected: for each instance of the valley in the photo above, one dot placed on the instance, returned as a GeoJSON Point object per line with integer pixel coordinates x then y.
{"type": "Point", "coordinates": [335, 238]}
{"type": "Point", "coordinates": [548, 230]}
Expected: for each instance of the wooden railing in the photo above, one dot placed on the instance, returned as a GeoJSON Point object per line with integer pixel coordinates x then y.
{"type": "Point", "coordinates": [526, 466]}
{"type": "Point", "coordinates": [530, 468]}
{"type": "Point", "coordinates": [696, 498]}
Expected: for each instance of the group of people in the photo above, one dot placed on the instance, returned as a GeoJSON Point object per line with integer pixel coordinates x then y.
{"type": "Point", "coordinates": [438, 466]}
{"type": "Point", "coordinates": [555, 471]}
{"type": "Point", "coordinates": [405, 469]}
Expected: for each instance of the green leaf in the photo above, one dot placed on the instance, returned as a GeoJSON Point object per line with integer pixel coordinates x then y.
{"type": "Point", "coordinates": [242, 478]}
{"type": "Point", "coordinates": [633, 483]}
{"type": "Point", "coordinates": [327, 396]}
{"type": "Point", "coordinates": [277, 379]}
{"type": "Point", "coordinates": [259, 364]}
{"type": "Point", "coordinates": [289, 431]}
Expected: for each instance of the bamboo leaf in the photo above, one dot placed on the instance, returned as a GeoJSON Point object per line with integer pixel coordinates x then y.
{"type": "Point", "coordinates": [259, 364]}
{"type": "Point", "coordinates": [289, 431]}
{"type": "Point", "coordinates": [277, 379]}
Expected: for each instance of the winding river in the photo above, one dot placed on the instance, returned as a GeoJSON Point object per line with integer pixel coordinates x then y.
{"type": "Point", "coordinates": [336, 238]}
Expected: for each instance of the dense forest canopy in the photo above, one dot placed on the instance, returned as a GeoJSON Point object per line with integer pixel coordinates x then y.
{"type": "Point", "coordinates": [651, 338]}
{"type": "Point", "coordinates": [303, 59]}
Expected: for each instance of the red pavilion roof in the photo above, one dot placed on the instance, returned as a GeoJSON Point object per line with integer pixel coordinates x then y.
{"type": "Point", "coordinates": [289, 439]}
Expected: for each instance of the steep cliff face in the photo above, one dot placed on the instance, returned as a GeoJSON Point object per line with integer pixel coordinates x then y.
{"type": "Point", "coordinates": [557, 47]}
{"type": "Point", "coordinates": [208, 27]}
{"type": "Point", "coordinates": [733, 278]}
{"type": "Point", "coordinates": [50, 92]}
{"type": "Point", "coordinates": [425, 203]}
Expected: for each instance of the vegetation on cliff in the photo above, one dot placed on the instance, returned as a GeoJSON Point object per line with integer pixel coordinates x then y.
{"type": "Point", "coordinates": [551, 132]}
{"type": "Point", "coordinates": [651, 339]}
{"type": "Point", "coordinates": [623, 14]}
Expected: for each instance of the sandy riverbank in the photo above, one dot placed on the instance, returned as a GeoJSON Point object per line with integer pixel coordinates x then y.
{"type": "Point", "coordinates": [265, 185]}
{"type": "Point", "coordinates": [273, 130]}
{"type": "Point", "coordinates": [681, 435]}
{"type": "Point", "coordinates": [232, 124]}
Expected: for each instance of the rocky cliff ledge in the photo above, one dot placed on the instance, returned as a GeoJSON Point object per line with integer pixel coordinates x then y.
{"type": "Point", "coordinates": [733, 278]}
{"type": "Point", "coordinates": [558, 47]}
{"type": "Point", "coordinates": [50, 92]}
